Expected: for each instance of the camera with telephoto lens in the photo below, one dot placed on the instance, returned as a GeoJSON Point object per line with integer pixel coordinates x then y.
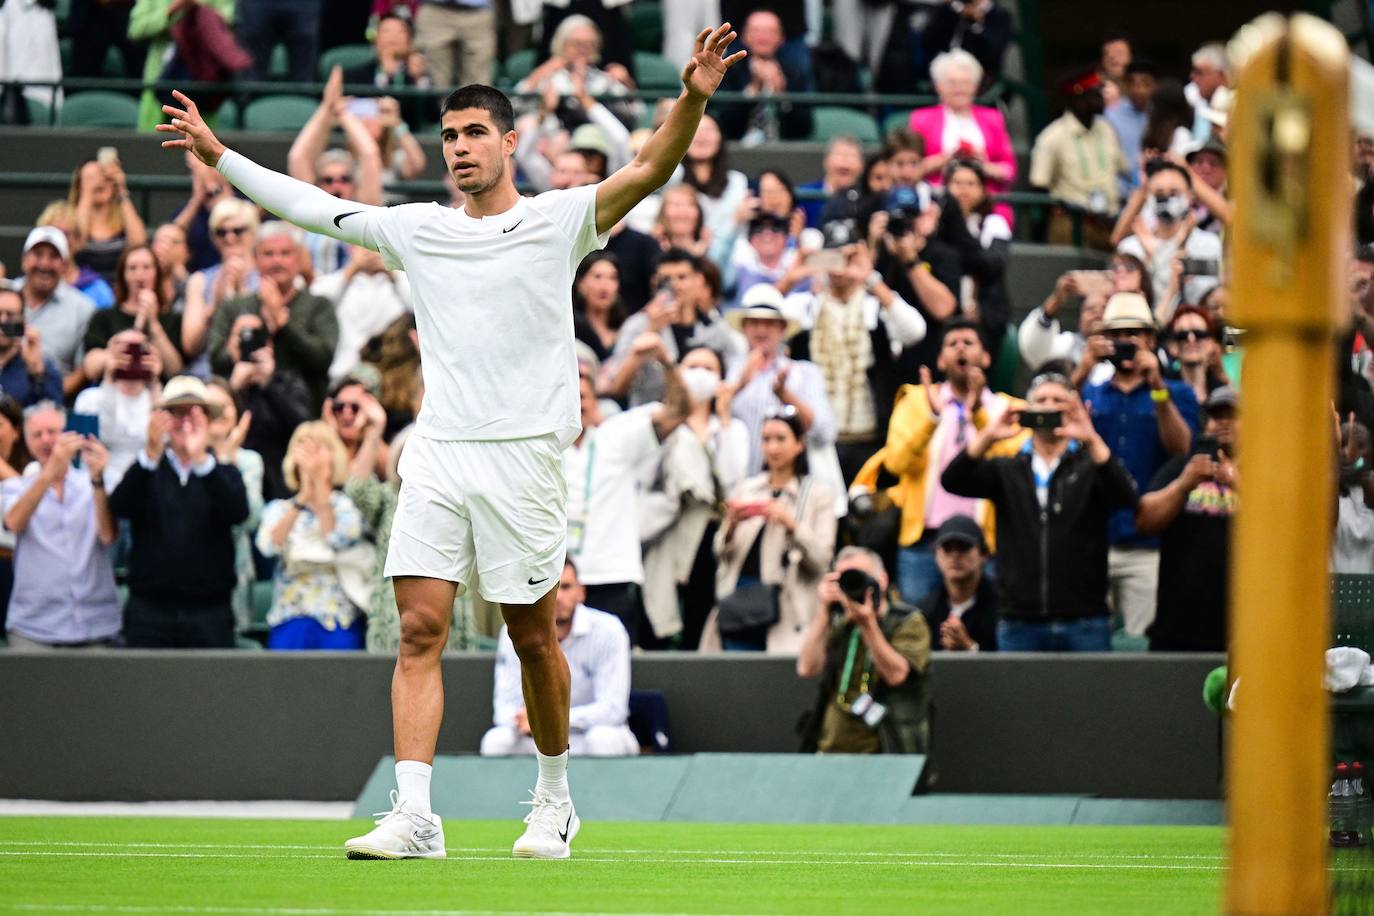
{"type": "Point", "coordinates": [858, 586]}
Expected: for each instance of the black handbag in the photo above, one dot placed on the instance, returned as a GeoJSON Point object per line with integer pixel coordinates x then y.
{"type": "Point", "coordinates": [751, 608]}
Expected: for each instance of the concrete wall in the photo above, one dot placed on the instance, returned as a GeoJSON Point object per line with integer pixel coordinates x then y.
{"type": "Point", "coordinates": [225, 725]}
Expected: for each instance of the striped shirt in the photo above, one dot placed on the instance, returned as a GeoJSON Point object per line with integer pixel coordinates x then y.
{"type": "Point", "coordinates": [598, 651]}
{"type": "Point", "coordinates": [756, 401]}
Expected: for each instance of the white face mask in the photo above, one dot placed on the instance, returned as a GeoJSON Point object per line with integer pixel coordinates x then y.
{"type": "Point", "coordinates": [701, 383]}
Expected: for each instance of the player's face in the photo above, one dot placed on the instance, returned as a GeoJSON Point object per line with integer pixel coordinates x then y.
{"type": "Point", "coordinates": [475, 151]}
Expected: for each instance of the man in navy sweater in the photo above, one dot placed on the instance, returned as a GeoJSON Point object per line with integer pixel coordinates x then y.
{"type": "Point", "coordinates": [183, 506]}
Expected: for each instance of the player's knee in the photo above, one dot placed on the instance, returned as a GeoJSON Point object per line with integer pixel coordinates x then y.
{"type": "Point", "coordinates": [608, 741]}
{"type": "Point", "coordinates": [534, 645]}
{"type": "Point", "coordinates": [499, 742]}
{"type": "Point", "coordinates": [422, 631]}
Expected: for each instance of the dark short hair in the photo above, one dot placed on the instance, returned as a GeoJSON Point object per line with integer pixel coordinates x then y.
{"type": "Point", "coordinates": [492, 101]}
{"type": "Point", "coordinates": [679, 256]}
{"type": "Point", "coordinates": [1155, 166]}
{"type": "Point", "coordinates": [403, 20]}
{"type": "Point", "coordinates": [1141, 65]}
{"type": "Point", "coordinates": [961, 323]}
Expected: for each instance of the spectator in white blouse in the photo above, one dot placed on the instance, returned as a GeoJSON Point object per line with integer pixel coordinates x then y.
{"type": "Point", "coordinates": [317, 536]}
{"type": "Point", "coordinates": [124, 400]}
{"type": "Point", "coordinates": [598, 651]}
{"type": "Point", "coordinates": [367, 298]}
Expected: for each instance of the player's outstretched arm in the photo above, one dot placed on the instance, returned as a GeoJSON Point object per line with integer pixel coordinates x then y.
{"type": "Point", "coordinates": [294, 201]}
{"type": "Point", "coordinates": [618, 194]}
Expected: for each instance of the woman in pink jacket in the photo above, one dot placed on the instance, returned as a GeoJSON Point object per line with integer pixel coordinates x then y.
{"type": "Point", "coordinates": [957, 128]}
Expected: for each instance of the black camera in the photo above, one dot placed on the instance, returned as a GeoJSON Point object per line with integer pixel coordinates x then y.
{"type": "Point", "coordinates": [1123, 351]}
{"type": "Point", "coordinates": [251, 340]}
{"type": "Point", "coordinates": [858, 586]}
{"type": "Point", "coordinates": [12, 329]}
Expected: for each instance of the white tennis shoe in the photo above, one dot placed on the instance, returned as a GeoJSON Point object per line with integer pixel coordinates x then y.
{"type": "Point", "coordinates": [552, 826]}
{"type": "Point", "coordinates": [401, 833]}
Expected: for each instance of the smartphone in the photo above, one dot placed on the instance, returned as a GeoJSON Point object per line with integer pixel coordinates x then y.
{"type": "Point", "coordinates": [827, 259]}
{"type": "Point", "coordinates": [1123, 351]}
{"type": "Point", "coordinates": [87, 424]}
{"type": "Point", "coordinates": [135, 370]}
{"type": "Point", "coordinates": [107, 155]}
{"type": "Point", "coordinates": [251, 340]}
{"type": "Point", "coordinates": [1207, 445]}
{"type": "Point", "coordinates": [750, 508]}
{"type": "Point", "coordinates": [13, 330]}
{"type": "Point", "coordinates": [365, 108]}
{"type": "Point", "coordinates": [1092, 282]}
{"type": "Point", "coordinates": [1041, 419]}
{"type": "Point", "coordinates": [1201, 267]}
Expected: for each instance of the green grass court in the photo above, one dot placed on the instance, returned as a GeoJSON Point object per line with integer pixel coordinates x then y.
{"type": "Point", "coordinates": [175, 865]}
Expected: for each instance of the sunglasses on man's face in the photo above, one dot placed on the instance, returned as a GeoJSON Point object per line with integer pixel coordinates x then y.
{"type": "Point", "coordinates": [1192, 335]}
{"type": "Point", "coordinates": [347, 407]}
{"type": "Point", "coordinates": [224, 232]}
{"type": "Point", "coordinates": [329, 181]}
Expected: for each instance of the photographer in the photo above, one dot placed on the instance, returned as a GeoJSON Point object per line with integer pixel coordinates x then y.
{"type": "Point", "coordinates": [853, 328]}
{"type": "Point", "coordinates": [303, 327]}
{"type": "Point", "coordinates": [25, 374]}
{"type": "Point", "coordinates": [1148, 418]}
{"type": "Point", "coordinates": [920, 268]}
{"type": "Point", "coordinates": [277, 398]}
{"type": "Point", "coordinates": [871, 657]}
{"type": "Point", "coordinates": [1053, 499]}
{"type": "Point", "coordinates": [123, 401]}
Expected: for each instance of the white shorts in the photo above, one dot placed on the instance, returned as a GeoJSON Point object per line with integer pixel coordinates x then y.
{"type": "Point", "coordinates": [499, 507]}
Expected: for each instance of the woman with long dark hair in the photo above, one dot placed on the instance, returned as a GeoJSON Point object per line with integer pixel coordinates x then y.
{"type": "Point", "coordinates": [707, 171]}
{"type": "Point", "coordinates": [598, 310]}
{"type": "Point", "coordinates": [776, 542]}
{"type": "Point", "coordinates": [1170, 127]}
{"type": "Point", "coordinates": [140, 305]}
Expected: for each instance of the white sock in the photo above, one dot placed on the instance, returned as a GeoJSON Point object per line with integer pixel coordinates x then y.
{"type": "Point", "coordinates": [412, 784]}
{"type": "Point", "coordinates": [553, 775]}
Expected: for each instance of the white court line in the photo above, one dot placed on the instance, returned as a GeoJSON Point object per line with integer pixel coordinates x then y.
{"type": "Point", "coordinates": [900, 863]}
{"type": "Point", "coordinates": [634, 852]}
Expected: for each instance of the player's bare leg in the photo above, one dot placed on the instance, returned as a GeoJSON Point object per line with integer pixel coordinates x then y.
{"type": "Point", "coordinates": [411, 829]}
{"type": "Point", "coordinates": [547, 686]}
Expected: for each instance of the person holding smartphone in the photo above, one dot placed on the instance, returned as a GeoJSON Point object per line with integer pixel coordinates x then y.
{"type": "Point", "coordinates": [123, 402]}
{"type": "Point", "coordinates": [1053, 501]}
{"type": "Point", "coordinates": [25, 374]}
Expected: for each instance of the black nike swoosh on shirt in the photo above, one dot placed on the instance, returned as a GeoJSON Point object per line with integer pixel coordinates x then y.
{"type": "Point", "coordinates": [563, 834]}
{"type": "Point", "coordinates": [341, 216]}
{"type": "Point", "coordinates": [534, 581]}
{"type": "Point", "coordinates": [510, 228]}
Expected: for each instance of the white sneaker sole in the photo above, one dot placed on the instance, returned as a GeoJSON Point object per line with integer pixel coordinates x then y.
{"type": "Point", "coordinates": [371, 852]}
{"type": "Point", "coordinates": [563, 853]}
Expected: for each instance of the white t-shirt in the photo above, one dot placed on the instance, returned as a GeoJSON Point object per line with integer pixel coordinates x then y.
{"type": "Point", "coordinates": [493, 297]}
{"type": "Point", "coordinates": [365, 307]}
{"type": "Point", "coordinates": [493, 305]}
{"type": "Point", "coordinates": [603, 496]}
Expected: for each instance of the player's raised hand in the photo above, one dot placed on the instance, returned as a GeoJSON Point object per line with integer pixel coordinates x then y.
{"type": "Point", "coordinates": [706, 69]}
{"type": "Point", "coordinates": [193, 133]}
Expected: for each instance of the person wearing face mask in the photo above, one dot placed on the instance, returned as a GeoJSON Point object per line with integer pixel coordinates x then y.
{"type": "Point", "coordinates": [1159, 225]}
{"type": "Point", "coordinates": [679, 511]}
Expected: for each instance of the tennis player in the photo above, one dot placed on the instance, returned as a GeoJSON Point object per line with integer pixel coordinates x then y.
{"type": "Point", "coordinates": [482, 482]}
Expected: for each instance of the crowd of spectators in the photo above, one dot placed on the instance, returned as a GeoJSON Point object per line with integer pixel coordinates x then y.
{"type": "Point", "coordinates": [785, 378]}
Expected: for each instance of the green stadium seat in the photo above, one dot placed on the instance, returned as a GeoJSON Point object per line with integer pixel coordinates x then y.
{"type": "Point", "coordinates": [646, 26]}
{"type": "Point", "coordinates": [262, 602]}
{"type": "Point", "coordinates": [518, 65]}
{"type": "Point", "coordinates": [654, 71]}
{"type": "Point", "coordinates": [228, 117]}
{"type": "Point", "coordinates": [279, 112]}
{"type": "Point", "coordinates": [346, 56]}
{"type": "Point", "coordinates": [98, 108]}
{"type": "Point", "coordinates": [278, 66]}
{"type": "Point", "coordinates": [898, 120]}
{"type": "Point", "coordinates": [40, 115]}
{"type": "Point", "coordinates": [113, 64]}
{"type": "Point", "coordinates": [836, 120]}
{"type": "Point", "coordinates": [1002, 376]}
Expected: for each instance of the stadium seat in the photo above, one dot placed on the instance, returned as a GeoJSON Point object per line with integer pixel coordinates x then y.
{"type": "Point", "coordinates": [97, 108]}
{"type": "Point", "coordinates": [40, 115]}
{"type": "Point", "coordinates": [1002, 376]}
{"type": "Point", "coordinates": [646, 26]}
{"type": "Point", "coordinates": [279, 112]}
{"type": "Point", "coordinates": [835, 120]}
{"type": "Point", "coordinates": [898, 120]}
{"type": "Point", "coordinates": [654, 71]}
{"type": "Point", "coordinates": [518, 65]}
{"type": "Point", "coordinates": [278, 67]}
{"type": "Point", "coordinates": [346, 56]}
{"type": "Point", "coordinates": [228, 117]}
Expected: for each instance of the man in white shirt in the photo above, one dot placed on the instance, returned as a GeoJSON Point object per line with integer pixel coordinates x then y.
{"type": "Point", "coordinates": [1167, 231]}
{"type": "Point", "coordinates": [367, 298]}
{"type": "Point", "coordinates": [481, 486]}
{"type": "Point", "coordinates": [598, 652]}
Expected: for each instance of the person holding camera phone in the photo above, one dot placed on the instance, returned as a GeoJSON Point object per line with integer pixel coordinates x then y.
{"type": "Point", "coordinates": [278, 399]}
{"type": "Point", "coordinates": [1158, 225]}
{"type": "Point", "coordinates": [141, 305]}
{"type": "Point", "coordinates": [1189, 506]}
{"type": "Point", "coordinates": [1147, 418]}
{"type": "Point", "coordinates": [872, 657]}
{"type": "Point", "coordinates": [123, 401]}
{"type": "Point", "coordinates": [1053, 502]}
{"type": "Point", "coordinates": [25, 374]}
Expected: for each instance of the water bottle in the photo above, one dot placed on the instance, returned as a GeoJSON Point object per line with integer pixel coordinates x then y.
{"type": "Point", "coordinates": [1344, 831]}
{"type": "Point", "coordinates": [1364, 803]}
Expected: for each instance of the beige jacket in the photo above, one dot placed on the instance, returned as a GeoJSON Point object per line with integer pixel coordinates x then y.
{"type": "Point", "coordinates": [810, 550]}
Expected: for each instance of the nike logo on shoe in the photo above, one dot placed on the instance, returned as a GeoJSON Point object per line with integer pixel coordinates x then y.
{"type": "Point", "coordinates": [563, 834]}
{"type": "Point", "coordinates": [534, 581]}
{"type": "Point", "coordinates": [510, 228]}
{"type": "Point", "coordinates": [424, 836]}
{"type": "Point", "coordinates": [338, 219]}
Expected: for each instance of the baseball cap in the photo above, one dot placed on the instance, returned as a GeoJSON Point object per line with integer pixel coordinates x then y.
{"type": "Point", "coordinates": [911, 201]}
{"type": "Point", "coordinates": [47, 235]}
{"type": "Point", "coordinates": [187, 391]}
{"type": "Point", "coordinates": [1221, 397]}
{"type": "Point", "coordinates": [1126, 311]}
{"type": "Point", "coordinates": [839, 233]}
{"type": "Point", "coordinates": [592, 138]}
{"type": "Point", "coordinates": [960, 528]}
